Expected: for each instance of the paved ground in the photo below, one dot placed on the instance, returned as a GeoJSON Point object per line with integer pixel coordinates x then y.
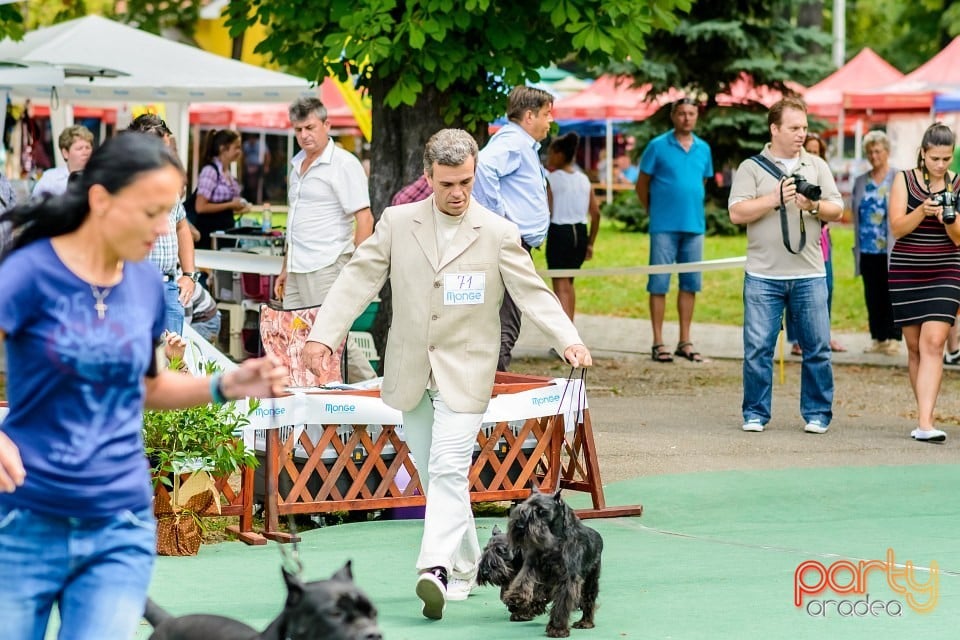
{"type": "Point", "coordinates": [652, 418]}
{"type": "Point", "coordinates": [607, 335]}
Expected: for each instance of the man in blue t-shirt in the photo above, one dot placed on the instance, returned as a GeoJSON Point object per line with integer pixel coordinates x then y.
{"type": "Point", "coordinates": [673, 171]}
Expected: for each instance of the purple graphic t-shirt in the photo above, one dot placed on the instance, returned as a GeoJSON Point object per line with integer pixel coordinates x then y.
{"type": "Point", "coordinates": [75, 382]}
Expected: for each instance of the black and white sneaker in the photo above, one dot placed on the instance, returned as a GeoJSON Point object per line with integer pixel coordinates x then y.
{"type": "Point", "coordinates": [432, 590]}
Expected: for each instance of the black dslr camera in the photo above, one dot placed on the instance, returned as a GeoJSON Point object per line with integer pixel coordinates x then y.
{"type": "Point", "coordinates": [808, 190]}
{"type": "Point", "coordinates": [948, 201]}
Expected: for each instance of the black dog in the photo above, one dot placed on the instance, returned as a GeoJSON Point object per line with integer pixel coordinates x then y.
{"type": "Point", "coordinates": [333, 609]}
{"type": "Point", "coordinates": [499, 564]}
{"type": "Point", "coordinates": [560, 563]}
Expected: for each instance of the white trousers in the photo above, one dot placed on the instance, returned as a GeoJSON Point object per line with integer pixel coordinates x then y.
{"type": "Point", "coordinates": [441, 441]}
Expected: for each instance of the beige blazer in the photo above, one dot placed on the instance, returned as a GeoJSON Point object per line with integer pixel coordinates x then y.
{"type": "Point", "coordinates": [459, 343]}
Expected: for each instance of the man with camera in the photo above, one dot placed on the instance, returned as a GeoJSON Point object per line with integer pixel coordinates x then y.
{"type": "Point", "coordinates": [782, 195]}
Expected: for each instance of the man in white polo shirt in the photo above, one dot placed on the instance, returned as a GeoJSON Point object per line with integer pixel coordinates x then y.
{"type": "Point", "coordinates": [328, 216]}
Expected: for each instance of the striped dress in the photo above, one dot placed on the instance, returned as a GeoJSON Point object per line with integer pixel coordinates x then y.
{"type": "Point", "coordinates": [924, 266]}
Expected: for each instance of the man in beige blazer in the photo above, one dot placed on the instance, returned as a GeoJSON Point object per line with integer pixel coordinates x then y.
{"type": "Point", "coordinates": [450, 262]}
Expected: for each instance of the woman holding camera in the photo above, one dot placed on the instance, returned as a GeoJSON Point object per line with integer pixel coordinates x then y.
{"type": "Point", "coordinates": [925, 268]}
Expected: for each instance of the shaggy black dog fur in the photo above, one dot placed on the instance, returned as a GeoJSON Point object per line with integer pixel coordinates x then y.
{"type": "Point", "coordinates": [546, 556]}
{"type": "Point", "coordinates": [333, 609]}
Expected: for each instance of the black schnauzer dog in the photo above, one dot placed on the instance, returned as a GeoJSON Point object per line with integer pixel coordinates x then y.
{"type": "Point", "coordinates": [559, 563]}
{"type": "Point", "coordinates": [499, 565]}
{"type": "Point", "coordinates": [333, 609]}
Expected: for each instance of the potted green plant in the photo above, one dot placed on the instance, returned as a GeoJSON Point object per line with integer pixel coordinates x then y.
{"type": "Point", "coordinates": [188, 449]}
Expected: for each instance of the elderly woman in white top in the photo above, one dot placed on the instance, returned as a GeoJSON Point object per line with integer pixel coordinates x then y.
{"type": "Point", "coordinates": [76, 145]}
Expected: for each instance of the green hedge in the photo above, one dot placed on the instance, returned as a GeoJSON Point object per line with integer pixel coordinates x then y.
{"type": "Point", "coordinates": [626, 210]}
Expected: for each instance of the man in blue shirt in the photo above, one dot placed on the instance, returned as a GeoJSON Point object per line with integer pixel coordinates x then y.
{"type": "Point", "coordinates": [510, 181]}
{"type": "Point", "coordinates": [673, 170]}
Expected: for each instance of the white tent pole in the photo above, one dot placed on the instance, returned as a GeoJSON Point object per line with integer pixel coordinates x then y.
{"type": "Point", "coordinates": [609, 176]}
{"type": "Point", "coordinates": [839, 32]}
{"type": "Point", "coordinates": [178, 121]}
{"type": "Point", "coordinates": [840, 126]}
{"type": "Point", "coordinates": [60, 118]}
{"type": "Point", "coordinates": [858, 140]}
{"type": "Point", "coordinates": [195, 152]}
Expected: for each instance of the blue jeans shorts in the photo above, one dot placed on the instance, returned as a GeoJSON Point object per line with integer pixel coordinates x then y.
{"type": "Point", "coordinates": [673, 248]}
{"type": "Point", "coordinates": [96, 570]}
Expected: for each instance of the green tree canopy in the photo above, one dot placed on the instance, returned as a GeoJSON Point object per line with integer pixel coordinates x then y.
{"type": "Point", "coordinates": [709, 50]}
{"type": "Point", "coordinates": [433, 63]}
{"type": "Point", "coordinates": [905, 34]}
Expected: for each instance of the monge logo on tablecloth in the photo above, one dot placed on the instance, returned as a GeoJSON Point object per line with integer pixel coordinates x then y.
{"type": "Point", "coordinates": [545, 400]}
{"type": "Point", "coordinates": [845, 577]}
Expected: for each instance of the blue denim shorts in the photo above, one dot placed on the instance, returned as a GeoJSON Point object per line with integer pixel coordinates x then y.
{"type": "Point", "coordinates": [96, 570]}
{"type": "Point", "coordinates": [673, 248]}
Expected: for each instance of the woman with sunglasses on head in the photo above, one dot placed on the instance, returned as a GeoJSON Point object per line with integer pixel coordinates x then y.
{"type": "Point", "coordinates": [80, 314]}
{"type": "Point", "coordinates": [925, 268]}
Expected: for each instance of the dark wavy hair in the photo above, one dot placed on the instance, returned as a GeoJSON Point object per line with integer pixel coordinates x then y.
{"type": "Point", "coordinates": [215, 141]}
{"type": "Point", "coordinates": [114, 165]}
{"type": "Point", "coordinates": [566, 145]}
{"type": "Point", "coordinates": [936, 135]}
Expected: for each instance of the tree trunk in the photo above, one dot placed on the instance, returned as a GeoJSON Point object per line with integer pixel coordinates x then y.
{"type": "Point", "coordinates": [236, 48]}
{"type": "Point", "coordinates": [396, 159]}
{"type": "Point", "coordinates": [810, 14]}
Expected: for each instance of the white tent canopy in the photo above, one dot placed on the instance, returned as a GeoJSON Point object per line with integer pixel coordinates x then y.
{"type": "Point", "coordinates": [107, 61]}
{"type": "Point", "coordinates": [30, 77]}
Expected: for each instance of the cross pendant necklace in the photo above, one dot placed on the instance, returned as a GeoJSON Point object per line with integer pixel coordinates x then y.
{"type": "Point", "coordinates": [100, 295]}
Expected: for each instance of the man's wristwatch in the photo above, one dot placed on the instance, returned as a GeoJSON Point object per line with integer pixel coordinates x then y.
{"type": "Point", "coordinates": [193, 275]}
{"type": "Point", "coordinates": [816, 209]}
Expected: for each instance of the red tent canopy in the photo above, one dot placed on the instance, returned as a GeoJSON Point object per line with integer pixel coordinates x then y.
{"type": "Point", "coordinates": [915, 91]}
{"type": "Point", "coordinates": [612, 97]}
{"type": "Point", "coordinates": [742, 90]}
{"type": "Point", "coordinates": [863, 72]}
{"type": "Point", "coordinates": [272, 115]}
{"type": "Point", "coordinates": [240, 114]}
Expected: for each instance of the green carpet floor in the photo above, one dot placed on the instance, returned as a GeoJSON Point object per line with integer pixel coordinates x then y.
{"type": "Point", "coordinates": [713, 556]}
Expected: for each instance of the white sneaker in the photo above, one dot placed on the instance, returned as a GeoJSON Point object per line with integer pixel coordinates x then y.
{"type": "Point", "coordinates": [928, 435]}
{"type": "Point", "coordinates": [460, 588]}
{"type": "Point", "coordinates": [753, 425]}
{"type": "Point", "coordinates": [433, 592]}
{"type": "Point", "coordinates": [892, 348]}
{"type": "Point", "coordinates": [814, 426]}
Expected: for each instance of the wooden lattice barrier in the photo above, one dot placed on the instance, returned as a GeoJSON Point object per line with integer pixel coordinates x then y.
{"type": "Point", "coordinates": [361, 470]}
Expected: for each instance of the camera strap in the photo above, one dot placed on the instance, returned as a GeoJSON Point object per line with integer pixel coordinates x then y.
{"type": "Point", "coordinates": [774, 170]}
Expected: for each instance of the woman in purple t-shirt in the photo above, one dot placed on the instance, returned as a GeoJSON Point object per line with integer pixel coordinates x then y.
{"type": "Point", "coordinates": [80, 314]}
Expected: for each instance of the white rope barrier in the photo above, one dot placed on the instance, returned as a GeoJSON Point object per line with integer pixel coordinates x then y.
{"type": "Point", "coordinates": [270, 265]}
{"type": "Point", "coordinates": [645, 269]}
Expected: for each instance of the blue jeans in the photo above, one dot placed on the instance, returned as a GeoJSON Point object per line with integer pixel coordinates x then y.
{"type": "Point", "coordinates": [96, 570]}
{"type": "Point", "coordinates": [805, 301]}
{"type": "Point", "coordinates": [174, 310]}
{"type": "Point", "coordinates": [828, 266]}
{"type": "Point", "coordinates": [209, 330]}
{"type": "Point", "coordinates": [675, 248]}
